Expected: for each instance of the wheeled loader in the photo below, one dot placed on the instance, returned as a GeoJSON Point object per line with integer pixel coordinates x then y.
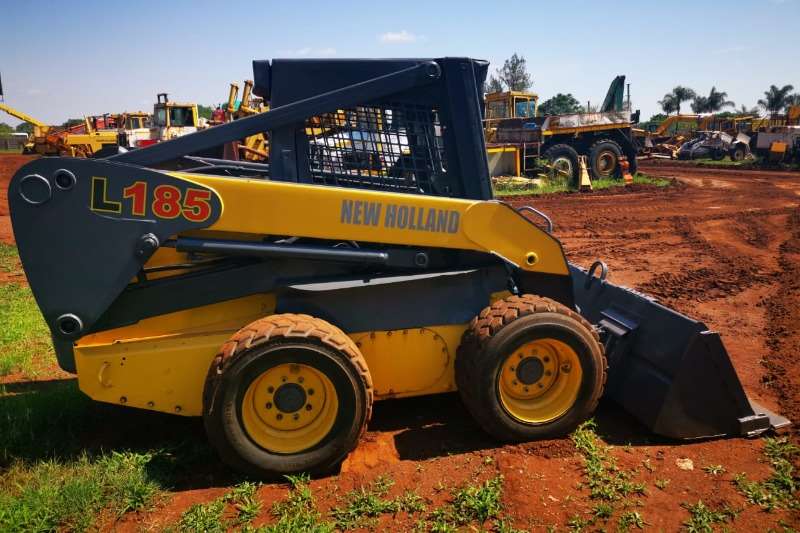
{"type": "Point", "coordinates": [367, 260]}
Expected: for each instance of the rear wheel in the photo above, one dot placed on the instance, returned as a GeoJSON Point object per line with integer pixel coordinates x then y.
{"type": "Point", "coordinates": [604, 160]}
{"type": "Point", "coordinates": [564, 165]}
{"type": "Point", "coordinates": [530, 368]}
{"type": "Point", "coordinates": [738, 153]}
{"type": "Point", "coordinates": [288, 393]}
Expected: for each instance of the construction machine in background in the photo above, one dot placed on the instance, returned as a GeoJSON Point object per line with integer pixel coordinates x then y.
{"type": "Point", "coordinates": [519, 142]}
{"type": "Point", "coordinates": [255, 147]}
{"type": "Point", "coordinates": [715, 145]}
{"type": "Point", "coordinates": [83, 139]}
{"type": "Point", "coordinates": [368, 260]}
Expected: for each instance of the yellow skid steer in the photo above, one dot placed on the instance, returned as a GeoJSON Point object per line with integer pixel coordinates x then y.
{"type": "Point", "coordinates": [366, 260]}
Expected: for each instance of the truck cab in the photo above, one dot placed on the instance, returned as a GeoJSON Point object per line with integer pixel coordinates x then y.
{"type": "Point", "coordinates": [172, 119]}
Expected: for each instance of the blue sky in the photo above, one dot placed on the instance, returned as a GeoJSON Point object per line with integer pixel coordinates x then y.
{"type": "Point", "coordinates": [61, 59]}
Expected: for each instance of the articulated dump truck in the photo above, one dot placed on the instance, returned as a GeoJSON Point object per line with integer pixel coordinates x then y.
{"type": "Point", "coordinates": [367, 260]}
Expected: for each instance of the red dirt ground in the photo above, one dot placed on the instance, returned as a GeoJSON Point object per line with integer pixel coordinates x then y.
{"type": "Point", "coordinates": [720, 245]}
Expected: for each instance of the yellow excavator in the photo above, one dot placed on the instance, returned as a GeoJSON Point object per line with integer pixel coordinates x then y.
{"type": "Point", "coordinates": [55, 140]}
{"type": "Point", "coordinates": [279, 301]}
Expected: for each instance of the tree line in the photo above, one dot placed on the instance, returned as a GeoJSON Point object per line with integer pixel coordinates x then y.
{"type": "Point", "coordinates": [776, 100]}
{"type": "Point", "coordinates": [514, 76]}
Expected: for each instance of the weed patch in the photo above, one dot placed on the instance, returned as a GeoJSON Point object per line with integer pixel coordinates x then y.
{"type": "Point", "coordinates": [363, 506]}
{"type": "Point", "coordinates": [778, 490]}
{"type": "Point", "coordinates": [53, 495]}
{"type": "Point", "coordinates": [24, 338]}
{"type": "Point", "coordinates": [298, 512]}
{"type": "Point", "coordinates": [211, 517]}
{"type": "Point", "coordinates": [607, 482]}
{"type": "Point", "coordinates": [470, 504]}
{"type": "Point", "coordinates": [702, 518]}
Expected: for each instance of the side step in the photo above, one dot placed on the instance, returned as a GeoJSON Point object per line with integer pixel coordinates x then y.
{"type": "Point", "coordinates": [666, 369]}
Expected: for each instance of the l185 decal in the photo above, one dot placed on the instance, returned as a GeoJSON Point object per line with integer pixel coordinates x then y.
{"type": "Point", "coordinates": [145, 200]}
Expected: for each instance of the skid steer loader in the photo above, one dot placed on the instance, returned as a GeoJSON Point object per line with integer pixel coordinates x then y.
{"type": "Point", "coordinates": [366, 260]}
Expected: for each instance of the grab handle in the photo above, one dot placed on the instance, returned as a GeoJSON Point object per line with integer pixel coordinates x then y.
{"type": "Point", "coordinates": [537, 212]}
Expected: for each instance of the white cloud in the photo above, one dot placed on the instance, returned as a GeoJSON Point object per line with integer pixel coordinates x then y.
{"type": "Point", "coordinates": [308, 51]}
{"type": "Point", "coordinates": [398, 37]}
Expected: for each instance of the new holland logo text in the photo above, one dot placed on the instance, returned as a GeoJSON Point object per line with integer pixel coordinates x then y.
{"type": "Point", "coordinates": [398, 216]}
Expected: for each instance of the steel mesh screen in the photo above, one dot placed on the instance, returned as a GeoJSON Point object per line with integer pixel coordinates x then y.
{"type": "Point", "coordinates": [393, 147]}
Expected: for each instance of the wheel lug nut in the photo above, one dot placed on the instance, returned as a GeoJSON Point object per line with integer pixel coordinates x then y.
{"type": "Point", "coordinates": [269, 405]}
{"type": "Point", "coordinates": [311, 392]}
{"type": "Point", "coordinates": [283, 379]}
{"type": "Point", "coordinates": [270, 389]}
{"type": "Point", "coordinates": [279, 417]}
{"type": "Point", "coordinates": [514, 382]}
{"type": "Point", "coordinates": [308, 407]}
{"type": "Point", "coordinates": [548, 373]}
{"type": "Point", "coordinates": [546, 359]}
{"type": "Point", "coordinates": [512, 368]}
{"type": "Point", "coordinates": [296, 416]}
{"type": "Point", "coordinates": [300, 379]}
{"type": "Point", "coordinates": [541, 385]}
{"type": "Point", "coordinates": [526, 389]}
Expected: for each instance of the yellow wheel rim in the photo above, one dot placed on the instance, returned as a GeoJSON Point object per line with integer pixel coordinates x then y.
{"type": "Point", "coordinates": [289, 408]}
{"type": "Point", "coordinates": [539, 381]}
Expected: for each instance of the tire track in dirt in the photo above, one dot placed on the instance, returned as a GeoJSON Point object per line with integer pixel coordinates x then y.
{"type": "Point", "coordinates": [783, 328]}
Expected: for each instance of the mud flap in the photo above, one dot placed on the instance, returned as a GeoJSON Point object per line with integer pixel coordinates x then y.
{"type": "Point", "coordinates": [665, 368]}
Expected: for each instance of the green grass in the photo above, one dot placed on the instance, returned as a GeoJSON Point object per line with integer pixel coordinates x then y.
{"type": "Point", "coordinates": [780, 489]}
{"type": "Point", "coordinates": [363, 506]}
{"type": "Point", "coordinates": [53, 495]}
{"type": "Point", "coordinates": [726, 162]}
{"type": "Point", "coordinates": [9, 258]}
{"type": "Point", "coordinates": [211, 517]}
{"type": "Point", "coordinates": [714, 470]}
{"type": "Point", "coordinates": [24, 339]}
{"type": "Point", "coordinates": [550, 188]}
{"type": "Point", "coordinates": [298, 512]}
{"type": "Point", "coordinates": [703, 518]}
{"type": "Point", "coordinates": [470, 504]}
{"type": "Point", "coordinates": [609, 484]}
{"type": "Point", "coordinates": [606, 481]}
{"type": "Point", "coordinates": [206, 517]}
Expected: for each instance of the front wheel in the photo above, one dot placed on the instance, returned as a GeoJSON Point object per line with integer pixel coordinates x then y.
{"type": "Point", "coordinates": [564, 165]}
{"type": "Point", "coordinates": [287, 393]}
{"type": "Point", "coordinates": [604, 158]}
{"type": "Point", "coordinates": [530, 368]}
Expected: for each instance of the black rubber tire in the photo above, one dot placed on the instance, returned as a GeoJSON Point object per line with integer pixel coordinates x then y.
{"type": "Point", "coordinates": [717, 154]}
{"type": "Point", "coordinates": [565, 151]}
{"type": "Point", "coordinates": [738, 153]}
{"type": "Point", "coordinates": [598, 148]}
{"type": "Point", "coordinates": [501, 328]}
{"type": "Point", "coordinates": [273, 340]}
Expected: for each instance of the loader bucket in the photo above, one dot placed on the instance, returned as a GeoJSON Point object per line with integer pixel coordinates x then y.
{"type": "Point", "coordinates": [667, 369]}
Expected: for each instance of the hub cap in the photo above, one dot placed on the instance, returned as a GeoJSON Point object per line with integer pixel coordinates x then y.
{"type": "Point", "coordinates": [539, 381]}
{"type": "Point", "coordinates": [606, 163]}
{"type": "Point", "coordinates": [289, 408]}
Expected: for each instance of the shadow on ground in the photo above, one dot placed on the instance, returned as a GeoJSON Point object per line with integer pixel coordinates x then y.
{"type": "Point", "coordinates": [54, 420]}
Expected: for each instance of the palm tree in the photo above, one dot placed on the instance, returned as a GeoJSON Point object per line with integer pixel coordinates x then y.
{"type": "Point", "coordinates": [776, 98]}
{"type": "Point", "coordinates": [668, 104]}
{"type": "Point", "coordinates": [700, 104]}
{"type": "Point", "coordinates": [712, 103]}
{"type": "Point", "coordinates": [744, 110]}
{"type": "Point", "coordinates": [793, 99]}
{"type": "Point", "coordinates": [717, 100]}
{"type": "Point", "coordinates": [681, 94]}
